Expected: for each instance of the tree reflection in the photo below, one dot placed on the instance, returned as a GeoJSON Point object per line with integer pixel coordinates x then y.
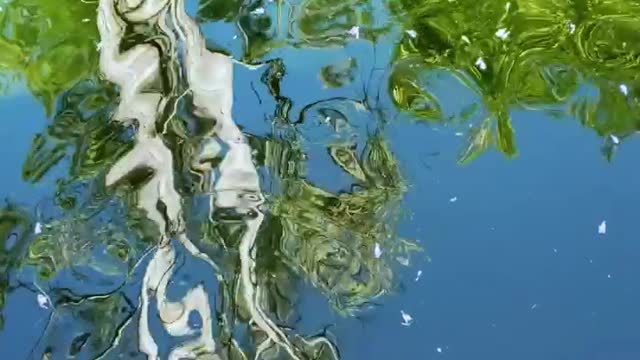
{"type": "Point", "coordinates": [540, 55]}
{"type": "Point", "coordinates": [85, 133]}
{"type": "Point", "coordinates": [579, 59]}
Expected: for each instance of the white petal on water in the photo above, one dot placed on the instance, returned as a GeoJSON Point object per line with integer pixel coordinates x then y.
{"type": "Point", "coordinates": [412, 33]}
{"type": "Point", "coordinates": [43, 301]}
{"type": "Point", "coordinates": [502, 33]}
{"type": "Point", "coordinates": [615, 139]}
{"type": "Point", "coordinates": [354, 31]}
{"type": "Point", "coordinates": [571, 26]}
{"type": "Point", "coordinates": [624, 89]}
{"type": "Point", "coordinates": [38, 228]}
{"type": "Point", "coordinates": [406, 318]}
{"type": "Point", "coordinates": [481, 64]}
{"type": "Point", "coordinates": [418, 275]}
{"type": "Point", "coordinates": [602, 228]}
{"type": "Point", "coordinates": [465, 39]}
{"type": "Point", "coordinates": [439, 349]}
{"type": "Point", "coordinates": [377, 251]}
{"type": "Point", "coordinates": [453, 199]}
{"type": "Point", "coordinates": [459, 134]}
{"type": "Point", "coordinates": [258, 11]}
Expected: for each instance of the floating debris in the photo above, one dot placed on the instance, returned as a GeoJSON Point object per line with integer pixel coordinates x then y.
{"type": "Point", "coordinates": [453, 199]}
{"type": "Point", "coordinates": [377, 251]}
{"type": "Point", "coordinates": [624, 89]}
{"type": "Point", "coordinates": [615, 139]}
{"type": "Point", "coordinates": [412, 33]}
{"type": "Point", "coordinates": [502, 33]}
{"type": "Point", "coordinates": [354, 31]}
{"type": "Point", "coordinates": [418, 275]}
{"type": "Point", "coordinates": [602, 228]}
{"type": "Point", "coordinates": [38, 228]}
{"type": "Point", "coordinates": [571, 26]}
{"type": "Point", "coordinates": [258, 11]}
{"type": "Point", "coordinates": [481, 64]}
{"type": "Point", "coordinates": [43, 301]}
{"type": "Point", "coordinates": [439, 349]}
{"type": "Point", "coordinates": [407, 319]}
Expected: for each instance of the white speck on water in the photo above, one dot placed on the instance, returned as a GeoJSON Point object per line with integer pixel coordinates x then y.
{"type": "Point", "coordinates": [418, 275]}
{"type": "Point", "coordinates": [258, 11]}
{"type": "Point", "coordinates": [453, 199]}
{"type": "Point", "coordinates": [624, 89]}
{"type": "Point", "coordinates": [43, 301]}
{"type": "Point", "coordinates": [406, 318]}
{"type": "Point", "coordinates": [481, 64]}
{"type": "Point", "coordinates": [354, 31]}
{"type": "Point", "coordinates": [86, 20]}
{"type": "Point", "coordinates": [412, 33]}
{"type": "Point", "coordinates": [555, 250]}
{"type": "Point", "coordinates": [403, 261]}
{"type": "Point", "coordinates": [465, 39]}
{"type": "Point", "coordinates": [502, 33]}
{"type": "Point", "coordinates": [534, 306]}
{"type": "Point", "coordinates": [38, 228]}
{"type": "Point", "coordinates": [377, 251]}
{"type": "Point", "coordinates": [459, 134]}
{"type": "Point", "coordinates": [235, 37]}
{"type": "Point", "coordinates": [439, 349]}
{"type": "Point", "coordinates": [571, 26]}
{"type": "Point", "coordinates": [602, 228]}
{"type": "Point", "coordinates": [615, 139]}
{"type": "Point", "coordinates": [608, 276]}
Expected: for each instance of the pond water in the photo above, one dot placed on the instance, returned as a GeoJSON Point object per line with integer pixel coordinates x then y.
{"type": "Point", "coordinates": [319, 179]}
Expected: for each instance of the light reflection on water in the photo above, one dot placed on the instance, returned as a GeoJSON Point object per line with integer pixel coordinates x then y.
{"type": "Point", "coordinates": [183, 229]}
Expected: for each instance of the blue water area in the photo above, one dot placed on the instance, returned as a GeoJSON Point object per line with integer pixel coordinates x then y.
{"type": "Point", "coordinates": [514, 260]}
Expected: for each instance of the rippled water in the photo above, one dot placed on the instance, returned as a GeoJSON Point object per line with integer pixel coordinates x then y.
{"type": "Point", "coordinates": [319, 179]}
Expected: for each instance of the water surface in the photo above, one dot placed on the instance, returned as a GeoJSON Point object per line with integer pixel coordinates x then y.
{"type": "Point", "coordinates": [319, 179]}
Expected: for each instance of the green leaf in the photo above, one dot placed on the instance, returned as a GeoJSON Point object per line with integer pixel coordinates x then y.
{"type": "Point", "coordinates": [477, 143]}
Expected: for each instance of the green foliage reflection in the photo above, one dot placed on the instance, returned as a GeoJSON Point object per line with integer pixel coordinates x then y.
{"type": "Point", "coordinates": [543, 55]}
